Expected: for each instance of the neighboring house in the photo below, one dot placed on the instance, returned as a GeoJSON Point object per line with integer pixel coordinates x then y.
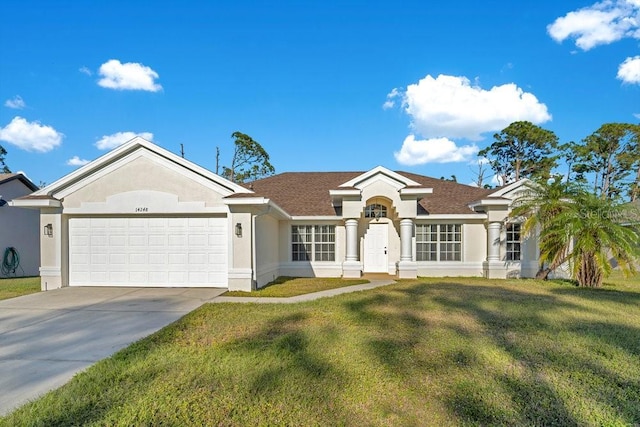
{"type": "Point", "coordinates": [19, 229]}
{"type": "Point", "coordinates": [143, 216]}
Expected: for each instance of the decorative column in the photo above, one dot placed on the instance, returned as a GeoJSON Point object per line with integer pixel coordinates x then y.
{"type": "Point", "coordinates": [493, 267]}
{"type": "Point", "coordinates": [351, 226]}
{"type": "Point", "coordinates": [351, 267]}
{"type": "Point", "coordinates": [407, 267]}
{"type": "Point", "coordinates": [493, 241]}
{"type": "Point", "coordinates": [406, 235]}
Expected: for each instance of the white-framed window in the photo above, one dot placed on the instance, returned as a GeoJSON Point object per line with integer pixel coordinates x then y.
{"type": "Point", "coordinates": [438, 242]}
{"type": "Point", "coordinates": [375, 210]}
{"type": "Point", "coordinates": [426, 242]}
{"type": "Point", "coordinates": [513, 242]}
{"type": "Point", "coordinates": [313, 242]}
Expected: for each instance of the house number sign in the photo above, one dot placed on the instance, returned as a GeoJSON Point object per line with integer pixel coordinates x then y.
{"type": "Point", "coordinates": [142, 209]}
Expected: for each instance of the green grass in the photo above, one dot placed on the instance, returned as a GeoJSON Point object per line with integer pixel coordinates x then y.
{"type": "Point", "coordinates": [15, 287]}
{"type": "Point", "coordinates": [284, 287]}
{"type": "Point", "coordinates": [436, 352]}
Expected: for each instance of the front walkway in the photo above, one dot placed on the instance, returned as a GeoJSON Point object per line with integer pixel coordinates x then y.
{"type": "Point", "coordinates": [308, 297]}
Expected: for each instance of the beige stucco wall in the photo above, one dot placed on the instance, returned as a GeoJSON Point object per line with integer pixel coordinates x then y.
{"type": "Point", "coordinates": [267, 249]}
{"type": "Point", "coordinates": [143, 174]}
{"type": "Point", "coordinates": [240, 252]}
{"type": "Point", "coordinates": [386, 192]}
{"type": "Point", "coordinates": [20, 229]}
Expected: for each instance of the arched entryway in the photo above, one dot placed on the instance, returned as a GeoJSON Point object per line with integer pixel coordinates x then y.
{"type": "Point", "coordinates": [378, 216]}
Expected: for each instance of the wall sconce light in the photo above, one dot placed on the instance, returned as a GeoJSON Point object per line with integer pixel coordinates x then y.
{"type": "Point", "coordinates": [239, 229]}
{"type": "Point", "coordinates": [48, 230]}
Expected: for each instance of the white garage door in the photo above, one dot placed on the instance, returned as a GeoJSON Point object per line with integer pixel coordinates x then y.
{"type": "Point", "coordinates": [139, 251]}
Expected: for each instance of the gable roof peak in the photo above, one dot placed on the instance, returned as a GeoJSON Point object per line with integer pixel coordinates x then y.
{"type": "Point", "coordinates": [381, 170]}
{"type": "Point", "coordinates": [136, 144]}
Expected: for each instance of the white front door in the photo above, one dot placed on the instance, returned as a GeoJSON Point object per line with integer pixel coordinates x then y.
{"type": "Point", "coordinates": [376, 242]}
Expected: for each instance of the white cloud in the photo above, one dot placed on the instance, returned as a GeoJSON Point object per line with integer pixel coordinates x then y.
{"type": "Point", "coordinates": [436, 150]}
{"type": "Point", "coordinates": [391, 96]}
{"type": "Point", "coordinates": [17, 103]}
{"type": "Point", "coordinates": [629, 70]}
{"type": "Point", "coordinates": [128, 76]}
{"type": "Point", "coordinates": [77, 161]}
{"type": "Point", "coordinates": [637, 116]}
{"type": "Point", "coordinates": [85, 70]}
{"type": "Point", "coordinates": [450, 106]}
{"type": "Point", "coordinates": [31, 136]}
{"type": "Point", "coordinates": [601, 23]}
{"type": "Point", "coordinates": [107, 142]}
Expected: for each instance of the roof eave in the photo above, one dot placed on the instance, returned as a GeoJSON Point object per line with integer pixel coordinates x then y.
{"type": "Point", "coordinates": [36, 203]}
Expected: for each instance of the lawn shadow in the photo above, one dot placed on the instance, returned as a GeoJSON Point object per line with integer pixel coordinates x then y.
{"type": "Point", "coordinates": [294, 364]}
{"type": "Point", "coordinates": [415, 316]}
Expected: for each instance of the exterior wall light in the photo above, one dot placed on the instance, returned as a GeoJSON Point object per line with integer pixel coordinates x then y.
{"type": "Point", "coordinates": [239, 229]}
{"type": "Point", "coordinates": [48, 230]}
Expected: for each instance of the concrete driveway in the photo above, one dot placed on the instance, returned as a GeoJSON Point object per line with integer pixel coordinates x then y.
{"type": "Point", "coordinates": [46, 338]}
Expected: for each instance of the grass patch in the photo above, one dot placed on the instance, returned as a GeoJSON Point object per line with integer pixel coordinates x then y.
{"type": "Point", "coordinates": [440, 352]}
{"type": "Point", "coordinates": [17, 286]}
{"type": "Point", "coordinates": [284, 287]}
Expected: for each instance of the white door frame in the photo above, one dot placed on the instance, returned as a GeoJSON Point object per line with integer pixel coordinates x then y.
{"type": "Point", "coordinates": [376, 248]}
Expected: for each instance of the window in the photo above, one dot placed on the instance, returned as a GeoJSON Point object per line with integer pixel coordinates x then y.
{"type": "Point", "coordinates": [513, 242]}
{"type": "Point", "coordinates": [438, 242]}
{"type": "Point", "coordinates": [426, 242]}
{"type": "Point", "coordinates": [313, 242]}
{"type": "Point", "coordinates": [375, 211]}
{"type": "Point", "coordinates": [301, 236]}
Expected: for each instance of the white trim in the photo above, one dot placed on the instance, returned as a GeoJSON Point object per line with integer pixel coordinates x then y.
{"type": "Point", "coordinates": [384, 171]}
{"type": "Point", "coordinates": [50, 271]}
{"type": "Point", "coordinates": [240, 273]}
{"type": "Point", "coordinates": [452, 216]}
{"type": "Point", "coordinates": [256, 201]}
{"type": "Point", "coordinates": [316, 218]}
{"type": "Point", "coordinates": [509, 188]}
{"type": "Point", "coordinates": [247, 201]}
{"type": "Point", "coordinates": [35, 203]}
{"type": "Point", "coordinates": [350, 192]}
{"type": "Point", "coordinates": [415, 191]}
{"type": "Point", "coordinates": [490, 202]}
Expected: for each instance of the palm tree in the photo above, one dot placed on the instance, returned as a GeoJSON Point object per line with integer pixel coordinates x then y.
{"type": "Point", "coordinates": [539, 203]}
{"type": "Point", "coordinates": [578, 227]}
{"type": "Point", "coordinates": [600, 232]}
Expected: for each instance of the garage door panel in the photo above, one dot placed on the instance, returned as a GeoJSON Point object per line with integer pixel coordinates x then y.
{"type": "Point", "coordinates": [148, 251]}
{"type": "Point", "coordinates": [99, 258]}
{"type": "Point", "coordinates": [158, 258]}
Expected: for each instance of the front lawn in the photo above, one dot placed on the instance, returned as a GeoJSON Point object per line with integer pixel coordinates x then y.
{"type": "Point", "coordinates": [284, 287]}
{"type": "Point", "coordinates": [423, 352]}
{"type": "Point", "coordinates": [18, 286]}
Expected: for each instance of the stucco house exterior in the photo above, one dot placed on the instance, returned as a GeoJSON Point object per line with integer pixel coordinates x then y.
{"type": "Point", "coordinates": [143, 216]}
{"type": "Point", "coordinates": [18, 228]}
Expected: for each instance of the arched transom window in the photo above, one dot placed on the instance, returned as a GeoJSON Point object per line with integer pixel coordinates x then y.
{"type": "Point", "coordinates": [375, 210]}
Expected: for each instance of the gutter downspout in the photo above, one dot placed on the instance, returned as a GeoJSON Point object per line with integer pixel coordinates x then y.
{"type": "Point", "coordinates": [254, 276]}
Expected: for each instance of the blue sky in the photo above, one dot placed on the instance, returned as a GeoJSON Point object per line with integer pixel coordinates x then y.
{"type": "Point", "coordinates": [322, 85]}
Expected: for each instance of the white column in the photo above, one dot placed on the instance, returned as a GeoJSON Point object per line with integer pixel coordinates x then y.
{"type": "Point", "coordinates": [351, 226]}
{"type": "Point", "coordinates": [493, 241]}
{"type": "Point", "coordinates": [406, 267]}
{"type": "Point", "coordinates": [351, 267]}
{"type": "Point", "coordinates": [406, 236]}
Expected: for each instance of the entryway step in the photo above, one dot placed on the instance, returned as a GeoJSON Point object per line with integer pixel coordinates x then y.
{"type": "Point", "coordinates": [378, 276]}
